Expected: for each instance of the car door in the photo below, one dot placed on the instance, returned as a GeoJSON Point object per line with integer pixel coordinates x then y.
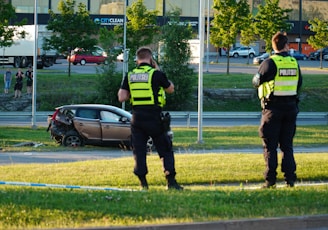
{"type": "Point", "coordinates": [87, 123]}
{"type": "Point", "coordinates": [114, 127]}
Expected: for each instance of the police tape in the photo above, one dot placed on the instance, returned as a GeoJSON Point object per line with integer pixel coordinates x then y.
{"type": "Point", "coordinates": [62, 186]}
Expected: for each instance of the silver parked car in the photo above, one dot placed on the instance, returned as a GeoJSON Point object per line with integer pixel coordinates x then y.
{"type": "Point", "coordinates": [259, 59]}
{"type": "Point", "coordinates": [242, 52]}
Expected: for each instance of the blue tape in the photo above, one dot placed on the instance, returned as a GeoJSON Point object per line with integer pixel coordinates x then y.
{"type": "Point", "coordinates": [61, 186]}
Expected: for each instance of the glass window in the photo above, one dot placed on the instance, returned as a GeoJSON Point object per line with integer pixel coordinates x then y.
{"type": "Point", "coordinates": [188, 10]}
{"type": "Point", "coordinates": [109, 116]}
{"type": "Point", "coordinates": [54, 4]}
{"type": "Point", "coordinates": [107, 7]}
{"type": "Point", "coordinates": [27, 6]}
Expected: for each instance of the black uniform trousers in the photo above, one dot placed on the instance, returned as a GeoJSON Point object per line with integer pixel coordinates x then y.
{"type": "Point", "coordinates": [147, 123]}
{"type": "Point", "coordinates": [277, 129]}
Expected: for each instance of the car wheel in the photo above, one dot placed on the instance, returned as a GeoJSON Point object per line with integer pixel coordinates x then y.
{"type": "Point", "coordinates": [74, 63]}
{"type": "Point", "coordinates": [235, 55]}
{"type": "Point", "coordinates": [82, 62]}
{"type": "Point", "coordinates": [251, 55]}
{"type": "Point", "coordinates": [72, 138]}
{"type": "Point", "coordinates": [150, 145]}
{"type": "Point", "coordinates": [304, 58]}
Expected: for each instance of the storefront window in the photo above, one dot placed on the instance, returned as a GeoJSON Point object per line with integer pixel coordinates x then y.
{"type": "Point", "coordinates": [107, 7]}
{"type": "Point", "coordinates": [27, 6]}
{"type": "Point", "coordinates": [54, 4]}
{"type": "Point", "coordinates": [188, 10]}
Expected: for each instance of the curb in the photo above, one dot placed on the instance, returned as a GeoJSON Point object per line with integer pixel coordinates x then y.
{"type": "Point", "coordinates": [317, 222]}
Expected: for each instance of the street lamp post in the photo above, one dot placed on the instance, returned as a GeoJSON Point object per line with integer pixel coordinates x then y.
{"type": "Point", "coordinates": [125, 51]}
{"type": "Point", "coordinates": [35, 59]}
{"type": "Point", "coordinates": [301, 27]}
{"type": "Point", "coordinates": [200, 70]}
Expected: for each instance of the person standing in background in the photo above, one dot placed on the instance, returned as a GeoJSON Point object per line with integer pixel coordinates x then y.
{"type": "Point", "coordinates": [19, 83]}
{"type": "Point", "coordinates": [29, 80]}
{"type": "Point", "coordinates": [7, 77]}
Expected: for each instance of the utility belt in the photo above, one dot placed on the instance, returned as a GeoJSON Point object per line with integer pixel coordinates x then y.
{"type": "Point", "coordinates": [275, 100]}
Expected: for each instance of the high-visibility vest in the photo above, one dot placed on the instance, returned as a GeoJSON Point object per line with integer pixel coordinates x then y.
{"type": "Point", "coordinates": [286, 80]}
{"type": "Point", "coordinates": [141, 88]}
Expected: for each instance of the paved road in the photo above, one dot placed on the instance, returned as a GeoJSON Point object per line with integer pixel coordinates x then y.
{"type": "Point", "coordinates": [72, 155]}
{"type": "Point", "coordinates": [237, 65]}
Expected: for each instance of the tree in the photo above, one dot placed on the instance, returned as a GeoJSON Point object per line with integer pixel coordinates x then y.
{"type": "Point", "coordinates": [140, 28]}
{"type": "Point", "coordinates": [71, 29]}
{"type": "Point", "coordinates": [108, 78]}
{"type": "Point", "coordinates": [247, 36]}
{"type": "Point", "coordinates": [7, 32]}
{"type": "Point", "coordinates": [269, 20]}
{"type": "Point", "coordinates": [175, 55]}
{"type": "Point", "coordinates": [320, 39]}
{"type": "Point", "coordinates": [227, 23]}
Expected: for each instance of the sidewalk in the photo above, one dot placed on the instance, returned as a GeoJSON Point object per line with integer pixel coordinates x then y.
{"type": "Point", "coordinates": [319, 222]}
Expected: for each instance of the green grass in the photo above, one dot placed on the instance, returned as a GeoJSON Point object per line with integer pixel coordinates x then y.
{"type": "Point", "coordinates": [185, 139]}
{"type": "Point", "coordinates": [56, 88]}
{"type": "Point", "coordinates": [216, 185]}
{"type": "Point", "coordinates": [210, 192]}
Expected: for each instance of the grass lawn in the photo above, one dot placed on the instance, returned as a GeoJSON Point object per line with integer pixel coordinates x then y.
{"type": "Point", "coordinates": [217, 186]}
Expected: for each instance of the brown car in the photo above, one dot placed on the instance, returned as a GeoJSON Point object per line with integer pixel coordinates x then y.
{"type": "Point", "coordinates": [95, 124]}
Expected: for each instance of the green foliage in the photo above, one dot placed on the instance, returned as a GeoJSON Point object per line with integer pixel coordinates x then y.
{"type": "Point", "coordinates": [71, 29]}
{"type": "Point", "coordinates": [108, 79]}
{"type": "Point", "coordinates": [228, 21]}
{"type": "Point", "coordinates": [175, 56]}
{"type": "Point", "coordinates": [247, 36]}
{"type": "Point", "coordinates": [270, 19]}
{"type": "Point", "coordinates": [7, 15]}
{"type": "Point", "coordinates": [141, 28]}
{"type": "Point", "coordinates": [319, 39]}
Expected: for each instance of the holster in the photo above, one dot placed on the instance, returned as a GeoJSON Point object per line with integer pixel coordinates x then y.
{"type": "Point", "coordinates": [166, 121]}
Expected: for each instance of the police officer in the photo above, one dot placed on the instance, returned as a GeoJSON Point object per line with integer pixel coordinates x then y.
{"type": "Point", "coordinates": [145, 87]}
{"type": "Point", "coordinates": [278, 81]}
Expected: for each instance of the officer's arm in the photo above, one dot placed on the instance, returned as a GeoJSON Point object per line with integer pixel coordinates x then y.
{"type": "Point", "coordinates": [123, 95]}
{"type": "Point", "coordinates": [170, 89]}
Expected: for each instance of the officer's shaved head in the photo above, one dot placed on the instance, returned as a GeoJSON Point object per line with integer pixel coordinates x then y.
{"type": "Point", "coordinates": [144, 53]}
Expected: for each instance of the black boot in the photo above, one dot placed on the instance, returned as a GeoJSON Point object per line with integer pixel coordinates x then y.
{"type": "Point", "coordinates": [172, 183]}
{"type": "Point", "coordinates": [143, 182]}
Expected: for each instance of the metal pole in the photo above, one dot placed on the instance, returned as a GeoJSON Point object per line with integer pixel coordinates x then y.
{"type": "Point", "coordinates": [208, 36]}
{"type": "Point", "coordinates": [200, 71]}
{"type": "Point", "coordinates": [301, 27]}
{"type": "Point", "coordinates": [35, 60]}
{"type": "Point", "coordinates": [125, 61]}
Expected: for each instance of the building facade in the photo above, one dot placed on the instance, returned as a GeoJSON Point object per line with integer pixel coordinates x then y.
{"type": "Point", "coordinates": [111, 12]}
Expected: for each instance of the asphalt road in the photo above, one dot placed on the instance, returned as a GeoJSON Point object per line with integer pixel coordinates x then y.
{"type": "Point", "coordinates": [237, 65]}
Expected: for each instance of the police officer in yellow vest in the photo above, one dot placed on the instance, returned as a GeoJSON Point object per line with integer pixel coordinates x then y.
{"type": "Point", "coordinates": [145, 87]}
{"type": "Point", "coordinates": [278, 81]}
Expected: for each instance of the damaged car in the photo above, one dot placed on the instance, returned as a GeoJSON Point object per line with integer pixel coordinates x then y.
{"type": "Point", "coordinates": [92, 124]}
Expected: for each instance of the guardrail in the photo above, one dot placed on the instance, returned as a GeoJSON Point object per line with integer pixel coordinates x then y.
{"type": "Point", "coordinates": [184, 116]}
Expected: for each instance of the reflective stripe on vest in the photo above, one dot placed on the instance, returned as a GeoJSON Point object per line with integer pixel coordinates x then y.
{"type": "Point", "coordinates": [286, 79]}
{"type": "Point", "coordinates": [141, 88]}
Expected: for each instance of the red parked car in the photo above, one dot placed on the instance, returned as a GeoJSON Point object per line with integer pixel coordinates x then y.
{"type": "Point", "coordinates": [96, 55]}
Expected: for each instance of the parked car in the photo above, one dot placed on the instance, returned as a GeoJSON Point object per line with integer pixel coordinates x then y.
{"type": "Point", "coordinates": [299, 56]}
{"type": "Point", "coordinates": [259, 59]}
{"type": "Point", "coordinates": [92, 124]}
{"type": "Point", "coordinates": [96, 55]}
{"type": "Point", "coordinates": [316, 54]}
{"type": "Point", "coordinates": [242, 52]}
{"type": "Point", "coordinates": [325, 57]}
